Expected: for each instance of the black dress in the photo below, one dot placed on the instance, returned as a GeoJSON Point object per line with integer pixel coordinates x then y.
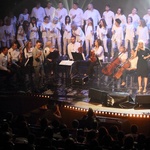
{"type": "Point", "coordinates": [142, 64]}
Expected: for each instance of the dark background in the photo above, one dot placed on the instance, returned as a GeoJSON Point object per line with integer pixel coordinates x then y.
{"type": "Point", "coordinates": [127, 5]}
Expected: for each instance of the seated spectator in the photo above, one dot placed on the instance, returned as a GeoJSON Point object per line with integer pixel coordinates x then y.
{"type": "Point", "coordinates": [133, 132]}
{"type": "Point", "coordinates": [88, 119]}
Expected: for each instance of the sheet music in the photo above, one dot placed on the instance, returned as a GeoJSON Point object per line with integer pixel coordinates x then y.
{"type": "Point", "coordinates": [66, 63]}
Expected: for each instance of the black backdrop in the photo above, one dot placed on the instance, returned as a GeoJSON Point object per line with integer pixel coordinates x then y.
{"type": "Point", "coordinates": [127, 5]}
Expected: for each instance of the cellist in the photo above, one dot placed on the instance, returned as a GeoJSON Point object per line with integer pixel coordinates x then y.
{"type": "Point", "coordinates": [122, 56]}
{"type": "Point", "coordinates": [96, 55]}
{"type": "Point", "coordinates": [133, 66]}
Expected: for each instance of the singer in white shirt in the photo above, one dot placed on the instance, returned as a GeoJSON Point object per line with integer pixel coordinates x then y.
{"type": "Point", "coordinates": [117, 37]}
{"type": "Point", "coordinates": [78, 33]}
{"type": "Point", "coordinates": [39, 13]}
{"type": "Point", "coordinates": [92, 13]}
{"type": "Point", "coordinates": [135, 17]}
{"type": "Point", "coordinates": [61, 13]}
{"type": "Point", "coordinates": [76, 14]}
{"type": "Point", "coordinates": [142, 32]}
{"type": "Point", "coordinates": [45, 28]}
{"type": "Point", "coordinates": [50, 11]}
{"type": "Point", "coordinates": [108, 15]}
{"type": "Point", "coordinates": [146, 17]}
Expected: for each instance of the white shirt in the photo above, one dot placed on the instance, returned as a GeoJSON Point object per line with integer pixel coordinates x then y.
{"type": "Point", "coordinates": [38, 13]}
{"type": "Point", "coordinates": [133, 63]}
{"type": "Point", "coordinates": [102, 33]}
{"type": "Point", "coordinates": [118, 35]}
{"type": "Point", "coordinates": [13, 22]}
{"type": "Point", "coordinates": [56, 28]}
{"type": "Point", "coordinates": [79, 16]}
{"type": "Point", "coordinates": [129, 32]}
{"type": "Point", "coordinates": [143, 33]}
{"type": "Point", "coordinates": [80, 34]}
{"type": "Point", "coordinates": [67, 32]}
{"type": "Point", "coordinates": [147, 19]}
{"type": "Point", "coordinates": [135, 19]}
{"type": "Point", "coordinates": [99, 53]}
{"type": "Point", "coordinates": [94, 14]}
{"type": "Point", "coordinates": [21, 31]}
{"type": "Point", "coordinates": [123, 56]}
{"type": "Point", "coordinates": [15, 54]}
{"type": "Point", "coordinates": [23, 17]}
{"type": "Point", "coordinates": [33, 34]}
{"type": "Point", "coordinates": [45, 27]}
{"type": "Point", "coordinates": [61, 13]}
{"type": "Point", "coordinates": [73, 48]}
{"type": "Point", "coordinates": [122, 18]}
{"type": "Point", "coordinates": [88, 32]}
{"type": "Point", "coordinates": [109, 17]}
{"type": "Point", "coordinates": [50, 12]}
{"type": "Point", "coordinates": [3, 62]}
{"type": "Point", "coordinates": [29, 53]}
{"type": "Point", "coordinates": [10, 30]}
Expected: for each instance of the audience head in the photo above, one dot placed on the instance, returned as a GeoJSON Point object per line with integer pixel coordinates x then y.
{"type": "Point", "coordinates": [128, 142]}
{"type": "Point", "coordinates": [134, 129]}
{"type": "Point", "coordinates": [75, 124]}
{"type": "Point", "coordinates": [90, 112]}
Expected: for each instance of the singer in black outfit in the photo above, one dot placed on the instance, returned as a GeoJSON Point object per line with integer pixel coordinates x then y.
{"type": "Point", "coordinates": [142, 65]}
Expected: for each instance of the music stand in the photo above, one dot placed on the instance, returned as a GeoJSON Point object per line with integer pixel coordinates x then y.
{"type": "Point", "coordinates": [77, 56]}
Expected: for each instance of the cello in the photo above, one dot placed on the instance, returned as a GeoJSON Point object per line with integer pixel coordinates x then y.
{"type": "Point", "coordinates": [108, 69]}
{"type": "Point", "coordinates": [120, 71]}
{"type": "Point", "coordinates": [93, 57]}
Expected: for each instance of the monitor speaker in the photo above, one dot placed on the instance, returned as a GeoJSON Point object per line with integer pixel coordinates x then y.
{"type": "Point", "coordinates": [97, 96]}
{"type": "Point", "coordinates": [142, 101]}
{"type": "Point", "coordinates": [110, 100]}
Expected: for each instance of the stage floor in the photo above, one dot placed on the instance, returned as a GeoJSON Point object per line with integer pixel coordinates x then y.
{"type": "Point", "coordinates": [120, 102]}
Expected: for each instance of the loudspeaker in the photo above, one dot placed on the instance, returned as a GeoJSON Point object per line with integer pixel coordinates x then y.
{"type": "Point", "coordinates": [142, 101]}
{"type": "Point", "coordinates": [97, 96]}
{"type": "Point", "coordinates": [120, 101]}
{"type": "Point", "coordinates": [110, 100]}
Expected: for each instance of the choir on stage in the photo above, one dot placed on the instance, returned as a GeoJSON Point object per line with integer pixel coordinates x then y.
{"type": "Point", "coordinates": [32, 42]}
